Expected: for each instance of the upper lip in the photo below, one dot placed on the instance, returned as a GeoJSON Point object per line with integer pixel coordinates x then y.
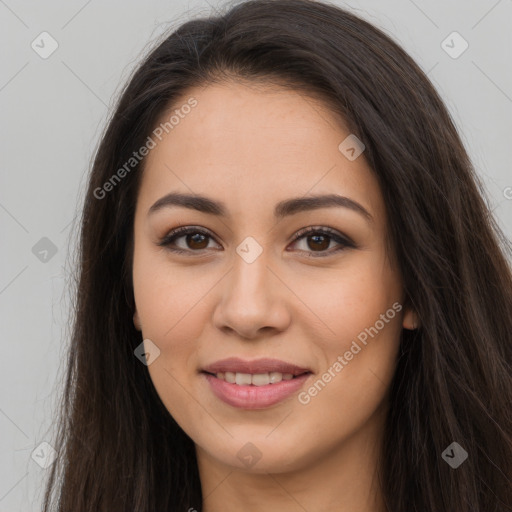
{"type": "Point", "coordinates": [265, 365]}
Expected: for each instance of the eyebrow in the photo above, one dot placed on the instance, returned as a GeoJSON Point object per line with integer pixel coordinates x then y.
{"type": "Point", "coordinates": [282, 209]}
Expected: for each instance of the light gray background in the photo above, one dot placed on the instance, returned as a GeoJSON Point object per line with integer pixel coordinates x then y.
{"type": "Point", "coordinates": [53, 111]}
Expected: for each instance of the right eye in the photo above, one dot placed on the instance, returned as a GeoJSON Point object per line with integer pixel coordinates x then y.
{"type": "Point", "coordinates": [195, 239]}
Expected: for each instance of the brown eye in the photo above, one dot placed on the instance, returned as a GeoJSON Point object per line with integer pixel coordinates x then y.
{"type": "Point", "coordinates": [318, 240]}
{"type": "Point", "coordinates": [195, 240]}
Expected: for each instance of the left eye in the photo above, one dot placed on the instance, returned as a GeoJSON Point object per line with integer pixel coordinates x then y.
{"type": "Point", "coordinates": [317, 239]}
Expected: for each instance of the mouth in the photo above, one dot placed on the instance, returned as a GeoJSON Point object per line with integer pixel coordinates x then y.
{"type": "Point", "coordinates": [254, 384]}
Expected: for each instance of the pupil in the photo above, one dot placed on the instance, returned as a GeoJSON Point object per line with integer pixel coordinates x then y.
{"type": "Point", "coordinates": [325, 244]}
{"type": "Point", "coordinates": [194, 239]}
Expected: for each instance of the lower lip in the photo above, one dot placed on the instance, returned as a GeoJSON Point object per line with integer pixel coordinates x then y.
{"type": "Point", "coordinates": [254, 397]}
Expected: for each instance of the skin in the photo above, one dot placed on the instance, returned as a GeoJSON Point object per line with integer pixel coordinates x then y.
{"type": "Point", "coordinates": [251, 147]}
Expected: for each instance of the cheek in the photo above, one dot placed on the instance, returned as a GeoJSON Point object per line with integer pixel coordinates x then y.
{"type": "Point", "coordinates": [173, 315]}
{"type": "Point", "coordinates": [349, 300]}
{"type": "Point", "coordinates": [169, 301]}
{"type": "Point", "coordinates": [358, 368]}
{"type": "Point", "coordinates": [359, 336]}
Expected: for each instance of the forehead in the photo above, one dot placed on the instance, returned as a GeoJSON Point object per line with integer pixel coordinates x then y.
{"type": "Point", "coordinates": [249, 146]}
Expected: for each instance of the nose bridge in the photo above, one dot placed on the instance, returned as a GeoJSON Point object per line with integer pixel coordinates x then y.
{"type": "Point", "coordinates": [249, 281]}
{"type": "Point", "coordinates": [250, 277]}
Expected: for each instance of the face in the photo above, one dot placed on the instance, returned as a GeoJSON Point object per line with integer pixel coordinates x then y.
{"type": "Point", "coordinates": [256, 276]}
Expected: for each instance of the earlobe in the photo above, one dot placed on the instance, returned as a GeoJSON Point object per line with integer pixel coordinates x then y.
{"type": "Point", "coordinates": [136, 321]}
{"type": "Point", "coordinates": [410, 320]}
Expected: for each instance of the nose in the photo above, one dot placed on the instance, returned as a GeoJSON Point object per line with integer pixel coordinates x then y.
{"type": "Point", "coordinates": [252, 300]}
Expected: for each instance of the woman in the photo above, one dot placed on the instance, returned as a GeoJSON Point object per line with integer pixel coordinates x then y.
{"type": "Point", "coordinates": [292, 295]}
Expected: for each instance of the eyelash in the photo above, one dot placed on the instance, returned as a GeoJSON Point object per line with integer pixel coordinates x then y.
{"type": "Point", "coordinates": [345, 242]}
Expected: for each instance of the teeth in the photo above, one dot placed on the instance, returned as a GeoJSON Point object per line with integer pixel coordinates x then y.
{"type": "Point", "coordinates": [258, 379]}
{"type": "Point", "coordinates": [243, 379]}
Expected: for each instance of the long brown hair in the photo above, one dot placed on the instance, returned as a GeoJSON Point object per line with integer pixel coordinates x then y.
{"type": "Point", "coordinates": [119, 447]}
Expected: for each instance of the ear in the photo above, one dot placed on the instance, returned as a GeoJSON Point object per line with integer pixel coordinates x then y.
{"type": "Point", "coordinates": [136, 321]}
{"type": "Point", "coordinates": [410, 319]}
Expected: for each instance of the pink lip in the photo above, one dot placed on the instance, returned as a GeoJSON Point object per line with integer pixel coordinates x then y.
{"type": "Point", "coordinates": [254, 397]}
{"type": "Point", "coordinates": [265, 365]}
